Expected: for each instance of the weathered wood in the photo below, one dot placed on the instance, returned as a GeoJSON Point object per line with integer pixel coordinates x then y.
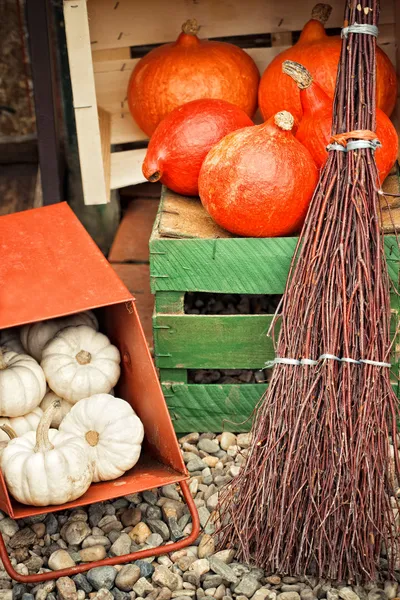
{"type": "Point", "coordinates": [126, 168]}
{"type": "Point", "coordinates": [136, 278]}
{"type": "Point", "coordinates": [85, 104]}
{"type": "Point", "coordinates": [225, 265]}
{"type": "Point", "coordinates": [170, 302]}
{"type": "Point", "coordinates": [212, 342]}
{"type": "Point", "coordinates": [212, 407]}
{"type": "Point", "coordinates": [132, 240]}
{"type": "Point", "coordinates": [128, 23]}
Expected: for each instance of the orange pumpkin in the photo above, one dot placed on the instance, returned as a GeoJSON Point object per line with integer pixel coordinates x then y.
{"type": "Point", "coordinates": [319, 53]}
{"type": "Point", "coordinates": [258, 181]}
{"type": "Point", "coordinates": [189, 69]}
{"type": "Point", "coordinates": [314, 131]}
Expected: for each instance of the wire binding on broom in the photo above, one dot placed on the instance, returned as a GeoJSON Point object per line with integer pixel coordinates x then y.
{"type": "Point", "coordinates": [309, 361]}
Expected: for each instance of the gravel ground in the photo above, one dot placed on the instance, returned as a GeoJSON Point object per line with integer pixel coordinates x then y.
{"type": "Point", "coordinates": [144, 521]}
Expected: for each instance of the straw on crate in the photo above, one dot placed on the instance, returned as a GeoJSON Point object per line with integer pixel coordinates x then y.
{"type": "Point", "coordinates": [315, 493]}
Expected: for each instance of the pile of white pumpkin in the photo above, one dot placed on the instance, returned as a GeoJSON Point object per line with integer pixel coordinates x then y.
{"type": "Point", "coordinates": [60, 373]}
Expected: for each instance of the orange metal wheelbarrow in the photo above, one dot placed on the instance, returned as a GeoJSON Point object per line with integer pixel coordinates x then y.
{"type": "Point", "coordinates": [51, 268]}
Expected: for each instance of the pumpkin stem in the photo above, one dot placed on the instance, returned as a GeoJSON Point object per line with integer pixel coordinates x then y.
{"type": "Point", "coordinates": [83, 357]}
{"type": "Point", "coordinates": [156, 176]}
{"type": "Point", "coordinates": [191, 27]}
{"type": "Point", "coordinates": [9, 431]}
{"type": "Point", "coordinates": [298, 73]}
{"type": "Point", "coordinates": [284, 120]}
{"type": "Point", "coordinates": [43, 443]}
{"type": "Point", "coordinates": [321, 13]}
{"type": "Point", "coordinates": [92, 438]}
{"type": "Point", "coordinates": [3, 364]}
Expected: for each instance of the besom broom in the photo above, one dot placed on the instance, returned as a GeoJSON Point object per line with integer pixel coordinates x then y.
{"type": "Point", "coordinates": [315, 493]}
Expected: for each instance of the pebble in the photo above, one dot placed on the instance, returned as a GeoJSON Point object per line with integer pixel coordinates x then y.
{"type": "Point", "coordinates": [103, 594]}
{"type": "Point", "coordinates": [346, 593]}
{"type": "Point", "coordinates": [127, 577]}
{"type": "Point", "coordinates": [225, 556]}
{"type": "Point", "coordinates": [244, 440]}
{"type": "Point", "coordinates": [96, 540]}
{"type": "Point", "coordinates": [209, 446]}
{"type": "Point", "coordinates": [206, 546]}
{"type": "Point", "coordinates": [51, 524]}
{"type": "Point", "coordinates": [146, 568]}
{"type": "Point", "coordinates": [102, 577]}
{"type": "Point", "coordinates": [66, 589]}
{"type": "Point", "coordinates": [142, 587]}
{"type": "Point", "coordinates": [110, 523]}
{"type": "Point", "coordinates": [131, 517]}
{"type": "Point", "coordinates": [92, 553]}
{"type": "Point", "coordinates": [82, 583]}
{"type": "Point", "coordinates": [288, 596]}
{"type": "Point", "coordinates": [390, 589]}
{"type": "Point", "coordinates": [149, 497]}
{"type": "Point", "coordinates": [158, 526]}
{"type": "Point", "coordinates": [121, 546]}
{"type": "Point", "coordinates": [164, 577]}
{"type": "Point", "coordinates": [221, 568]}
{"type": "Point", "coordinates": [8, 527]}
{"type": "Point", "coordinates": [140, 533]}
{"type": "Point", "coordinates": [331, 594]}
{"type": "Point", "coordinates": [195, 464]}
{"type": "Point", "coordinates": [227, 439]}
{"type": "Point", "coordinates": [247, 586]}
{"type": "Point", "coordinates": [200, 567]}
{"type": "Point", "coordinates": [74, 532]}
{"type": "Point", "coordinates": [264, 594]}
{"type": "Point", "coordinates": [60, 559]}
{"type": "Point", "coordinates": [39, 529]}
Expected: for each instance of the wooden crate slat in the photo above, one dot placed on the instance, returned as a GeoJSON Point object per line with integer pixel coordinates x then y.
{"type": "Point", "coordinates": [212, 407]}
{"type": "Point", "coordinates": [126, 23]}
{"type": "Point", "coordinates": [85, 104]}
{"type": "Point", "coordinates": [212, 342]}
{"type": "Point", "coordinates": [170, 302]}
{"type": "Point", "coordinates": [237, 266]}
{"type": "Point", "coordinates": [126, 168]}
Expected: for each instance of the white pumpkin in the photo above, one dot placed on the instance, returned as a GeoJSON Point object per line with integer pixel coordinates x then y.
{"type": "Point", "coordinates": [60, 413]}
{"type": "Point", "coordinates": [22, 384]}
{"type": "Point", "coordinates": [22, 424]}
{"type": "Point", "coordinates": [112, 430]}
{"type": "Point", "coordinates": [35, 336]}
{"type": "Point", "coordinates": [9, 434]}
{"type": "Point", "coordinates": [80, 362]}
{"type": "Point", "coordinates": [11, 340]}
{"type": "Point", "coordinates": [47, 467]}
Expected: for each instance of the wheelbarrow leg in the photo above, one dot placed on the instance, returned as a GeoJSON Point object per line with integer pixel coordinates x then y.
{"type": "Point", "coordinates": [115, 560]}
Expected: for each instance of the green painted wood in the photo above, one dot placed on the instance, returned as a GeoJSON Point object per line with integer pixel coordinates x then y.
{"type": "Point", "coordinates": [170, 302]}
{"type": "Point", "coordinates": [236, 265]}
{"type": "Point", "coordinates": [173, 375]}
{"type": "Point", "coordinates": [212, 342]}
{"type": "Point", "coordinates": [233, 265]}
{"type": "Point", "coordinates": [217, 408]}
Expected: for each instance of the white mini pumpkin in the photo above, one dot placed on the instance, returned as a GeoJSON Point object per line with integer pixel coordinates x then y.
{"type": "Point", "coordinates": [112, 430]}
{"type": "Point", "coordinates": [80, 362]}
{"type": "Point", "coordinates": [22, 384]}
{"type": "Point", "coordinates": [22, 424]}
{"type": "Point", "coordinates": [35, 336]}
{"type": "Point", "coordinates": [47, 467]}
{"type": "Point", "coordinates": [60, 413]}
{"type": "Point", "coordinates": [9, 434]}
{"type": "Point", "coordinates": [11, 340]}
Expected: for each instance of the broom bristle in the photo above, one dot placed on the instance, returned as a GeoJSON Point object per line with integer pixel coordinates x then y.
{"type": "Point", "coordinates": [316, 491]}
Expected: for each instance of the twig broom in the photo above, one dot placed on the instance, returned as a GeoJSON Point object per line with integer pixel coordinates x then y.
{"type": "Point", "coordinates": [316, 491]}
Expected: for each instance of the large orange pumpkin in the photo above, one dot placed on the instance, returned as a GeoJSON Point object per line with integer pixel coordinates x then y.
{"type": "Point", "coordinates": [314, 131]}
{"type": "Point", "coordinates": [319, 53]}
{"type": "Point", "coordinates": [189, 69]}
{"type": "Point", "coordinates": [181, 141]}
{"type": "Point", "coordinates": [258, 181]}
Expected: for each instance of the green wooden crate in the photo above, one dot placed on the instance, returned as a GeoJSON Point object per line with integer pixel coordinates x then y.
{"type": "Point", "coordinates": [189, 253]}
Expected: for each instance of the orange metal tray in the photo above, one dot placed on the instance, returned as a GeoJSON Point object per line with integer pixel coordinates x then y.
{"type": "Point", "coordinates": [51, 267]}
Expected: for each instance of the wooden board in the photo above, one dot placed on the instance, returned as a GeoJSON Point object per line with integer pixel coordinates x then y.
{"type": "Point", "coordinates": [136, 278]}
{"type": "Point", "coordinates": [126, 168]}
{"type": "Point", "coordinates": [126, 23]}
{"type": "Point", "coordinates": [132, 240]}
{"type": "Point", "coordinates": [212, 407]}
{"type": "Point", "coordinates": [85, 104]}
